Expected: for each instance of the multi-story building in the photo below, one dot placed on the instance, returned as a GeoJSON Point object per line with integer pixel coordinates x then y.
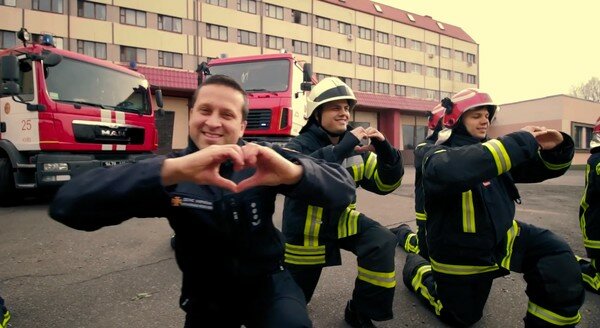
{"type": "Point", "coordinates": [399, 63]}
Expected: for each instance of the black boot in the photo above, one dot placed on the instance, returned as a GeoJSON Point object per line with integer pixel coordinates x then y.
{"type": "Point", "coordinates": [407, 239]}
{"type": "Point", "coordinates": [355, 318]}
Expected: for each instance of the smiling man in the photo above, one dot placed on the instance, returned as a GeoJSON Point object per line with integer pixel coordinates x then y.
{"type": "Point", "coordinates": [219, 196]}
{"type": "Point", "coordinates": [315, 234]}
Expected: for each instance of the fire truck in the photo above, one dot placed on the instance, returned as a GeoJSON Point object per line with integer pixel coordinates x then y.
{"type": "Point", "coordinates": [277, 86]}
{"type": "Point", "coordinates": [62, 113]}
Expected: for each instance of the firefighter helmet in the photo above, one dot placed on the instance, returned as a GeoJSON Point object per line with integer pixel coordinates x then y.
{"type": "Point", "coordinates": [595, 142]}
{"type": "Point", "coordinates": [464, 101]}
{"type": "Point", "coordinates": [597, 127]}
{"type": "Point", "coordinates": [329, 89]}
{"type": "Point", "coordinates": [434, 117]}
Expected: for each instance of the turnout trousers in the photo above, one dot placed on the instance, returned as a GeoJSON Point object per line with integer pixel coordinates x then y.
{"type": "Point", "coordinates": [374, 247]}
{"type": "Point", "coordinates": [549, 268]}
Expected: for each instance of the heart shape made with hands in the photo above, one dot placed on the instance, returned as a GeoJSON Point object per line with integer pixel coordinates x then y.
{"type": "Point", "coordinates": [271, 168]}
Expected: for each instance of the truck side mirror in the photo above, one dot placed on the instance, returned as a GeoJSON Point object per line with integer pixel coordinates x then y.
{"type": "Point", "coordinates": [52, 60]}
{"type": "Point", "coordinates": [10, 76]}
{"type": "Point", "coordinates": [306, 84]}
{"type": "Point", "coordinates": [159, 102]}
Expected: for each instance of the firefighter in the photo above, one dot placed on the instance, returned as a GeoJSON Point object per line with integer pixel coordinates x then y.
{"type": "Point", "coordinates": [473, 238]}
{"type": "Point", "coordinates": [408, 240]}
{"type": "Point", "coordinates": [589, 216]}
{"type": "Point", "coordinates": [315, 234]}
{"type": "Point", "coordinates": [4, 314]}
{"type": "Point", "coordinates": [219, 197]}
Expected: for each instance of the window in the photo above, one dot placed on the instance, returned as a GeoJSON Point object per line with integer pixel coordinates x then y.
{"type": "Point", "coordinates": [133, 17]}
{"type": "Point", "coordinates": [94, 49]}
{"type": "Point", "coordinates": [445, 52]}
{"type": "Point", "coordinates": [400, 90]}
{"type": "Point", "coordinates": [247, 6]}
{"type": "Point", "coordinates": [382, 88]}
{"type": "Point", "coordinates": [383, 63]}
{"type": "Point", "coordinates": [168, 23]}
{"type": "Point", "coordinates": [471, 79]}
{"type": "Point", "coordinates": [458, 77]}
{"type": "Point", "coordinates": [220, 3]}
{"type": "Point", "coordinates": [344, 56]}
{"type": "Point", "coordinates": [246, 37]}
{"type": "Point", "coordinates": [273, 11]}
{"type": "Point", "coordinates": [417, 68]}
{"type": "Point", "coordinates": [7, 39]}
{"type": "Point", "coordinates": [582, 135]}
{"type": "Point", "coordinates": [431, 94]}
{"type": "Point", "coordinates": [412, 92]}
{"type": "Point", "coordinates": [365, 60]}
{"type": "Point", "coordinates": [129, 54]}
{"type": "Point", "coordinates": [170, 59]}
{"type": "Point", "coordinates": [431, 49]}
{"type": "Point", "coordinates": [53, 6]}
{"type": "Point", "coordinates": [274, 42]}
{"type": "Point", "coordinates": [470, 58]}
{"type": "Point", "coordinates": [216, 32]}
{"type": "Point", "coordinates": [383, 37]}
{"type": "Point", "coordinates": [400, 66]}
{"type": "Point", "coordinates": [89, 9]}
{"type": "Point", "coordinates": [415, 45]}
{"type": "Point", "coordinates": [344, 28]}
{"type": "Point", "coordinates": [8, 2]}
{"type": "Point", "coordinates": [400, 41]}
{"type": "Point", "coordinates": [321, 76]}
{"type": "Point", "coordinates": [459, 55]}
{"type": "Point", "coordinates": [364, 85]}
{"type": "Point", "coordinates": [322, 51]}
{"type": "Point", "coordinates": [299, 17]}
{"type": "Point", "coordinates": [323, 23]}
{"type": "Point", "coordinates": [445, 74]}
{"type": "Point", "coordinates": [413, 135]}
{"type": "Point", "coordinates": [364, 33]}
{"type": "Point", "coordinates": [445, 94]}
{"type": "Point", "coordinates": [431, 71]}
{"type": "Point", "coordinates": [300, 47]}
{"type": "Point", "coordinates": [346, 80]}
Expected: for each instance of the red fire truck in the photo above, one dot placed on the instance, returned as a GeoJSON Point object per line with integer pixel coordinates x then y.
{"type": "Point", "coordinates": [276, 85]}
{"type": "Point", "coordinates": [62, 113]}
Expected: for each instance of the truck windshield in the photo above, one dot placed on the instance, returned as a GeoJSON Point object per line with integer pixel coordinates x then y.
{"type": "Point", "coordinates": [261, 76]}
{"type": "Point", "coordinates": [74, 81]}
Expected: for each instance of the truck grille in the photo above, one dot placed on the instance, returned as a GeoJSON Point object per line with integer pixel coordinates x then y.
{"type": "Point", "coordinates": [259, 119]}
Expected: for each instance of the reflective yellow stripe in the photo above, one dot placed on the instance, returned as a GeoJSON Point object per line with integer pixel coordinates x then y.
{"type": "Point", "coordinates": [552, 317]}
{"type": "Point", "coordinates": [554, 167]}
{"type": "Point", "coordinates": [598, 169]}
{"type": "Point", "coordinates": [468, 212]}
{"type": "Point", "coordinates": [381, 279]}
{"type": "Point", "coordinates": [461, 270]}
{"type": "Point", "coordinates": [358, 171]}
{"type": "Point", "coordinates": [312, 225]}
{"type": "Point", "coordinates": [304, 260]}
{"type": "Point", "coordinates": [584, 205]}
{"type": "Point", "coordinates": [593, 282]}
{"type": "Point", "coordinates": [305, 250]}
{"type": "Point", "coordinates": [421, 216]}
{"type": "Point", "coordinates": [591, 243]}
{"type": "Point", "coordinates": [417, 283]}
{"type": "Point", "coordinates": [511, 235]}
{"type": "Point", "coordinates": [385, 187]}
{"type": "Point", "coordinates": [348, 223]}
{"type": "Point", "coordinates": [371, 165]}
{"type": "Point", "coordinates": [408, 246]}
{"type": "Point", "coordinates": [496, 148]}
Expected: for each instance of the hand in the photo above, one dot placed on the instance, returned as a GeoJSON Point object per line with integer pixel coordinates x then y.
{"type": "Point", "coordinates": [550, 139]}
{"type": "Point", "coordinates": [360, 133]}
{"type": "Point", "coordinates": [271, 168]}
{"type": "Point", "coordinates": [535, 130]}
{"type": "Point", "coordinates": [373, 133]}
{"type": "Point", "coordinates": [202, 167]}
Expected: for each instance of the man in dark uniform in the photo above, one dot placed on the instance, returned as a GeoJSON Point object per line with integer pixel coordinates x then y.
{"type": "Point", "coordinates": [315, 234]}
{"type": "Point", "coordinates": [219, 198]}
{"type": "Point", "coordinates": [469, 185]}
{"type": "Point", "coordinates": [4, 314]}
{"type": "Point", "coordinates": [589, 215]}
{"type": "Point", "coordinates": [408, 240]}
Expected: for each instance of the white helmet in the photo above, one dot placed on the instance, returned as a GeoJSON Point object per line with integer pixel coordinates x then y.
{"type": "Point", "coordinates": [329, 89]}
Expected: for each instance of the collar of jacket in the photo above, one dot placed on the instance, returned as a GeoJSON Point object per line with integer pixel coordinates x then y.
{"type": "Point", "coordinates": [322, 136]}
{"type": "Point", "coordinates": [457, 140]}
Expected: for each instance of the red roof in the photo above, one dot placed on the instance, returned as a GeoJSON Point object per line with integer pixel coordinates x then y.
{"type": "Point", "coordinates": [380, 101]}
{"type": "Point", "coordinates": [399, 15]}
{"type": "Point", "coordinates": [171, 79]}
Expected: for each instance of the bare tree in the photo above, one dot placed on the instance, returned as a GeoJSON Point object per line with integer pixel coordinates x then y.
{"type": "Point", "coordinates": [589, 90]}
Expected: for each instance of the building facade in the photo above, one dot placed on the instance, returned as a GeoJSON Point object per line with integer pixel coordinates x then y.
{"type": "Point", "coordinates": [400, 64]}
{"type": "Point", "coordinates": [572, 115]}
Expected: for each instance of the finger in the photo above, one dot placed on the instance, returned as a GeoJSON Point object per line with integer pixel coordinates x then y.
{"type": "Point", "coordinates": [221, 182]}
{"type": "Point", "coordinates": [248, 183]}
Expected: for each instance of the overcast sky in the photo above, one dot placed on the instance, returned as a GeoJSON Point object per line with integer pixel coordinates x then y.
{"type": "Point", "coordinates": [528, 48]}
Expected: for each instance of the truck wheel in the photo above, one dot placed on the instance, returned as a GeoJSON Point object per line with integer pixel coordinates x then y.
{"type": "Point", "coordinates": [8, 193]}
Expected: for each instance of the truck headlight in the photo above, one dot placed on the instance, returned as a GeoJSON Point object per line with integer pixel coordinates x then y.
{"type": "Point", "coordinates": [56, 167]}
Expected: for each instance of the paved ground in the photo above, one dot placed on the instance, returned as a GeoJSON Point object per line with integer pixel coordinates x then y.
{"type": "Point", "coordinates": [126, 276]}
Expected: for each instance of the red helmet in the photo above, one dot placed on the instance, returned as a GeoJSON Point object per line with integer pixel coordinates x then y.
{"type": "Point", "coordinates": [597, 127]}
{"type": "Point", "coordinates": [464, 101]}
{"type": "Point", "coordinates": [434, 116]}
